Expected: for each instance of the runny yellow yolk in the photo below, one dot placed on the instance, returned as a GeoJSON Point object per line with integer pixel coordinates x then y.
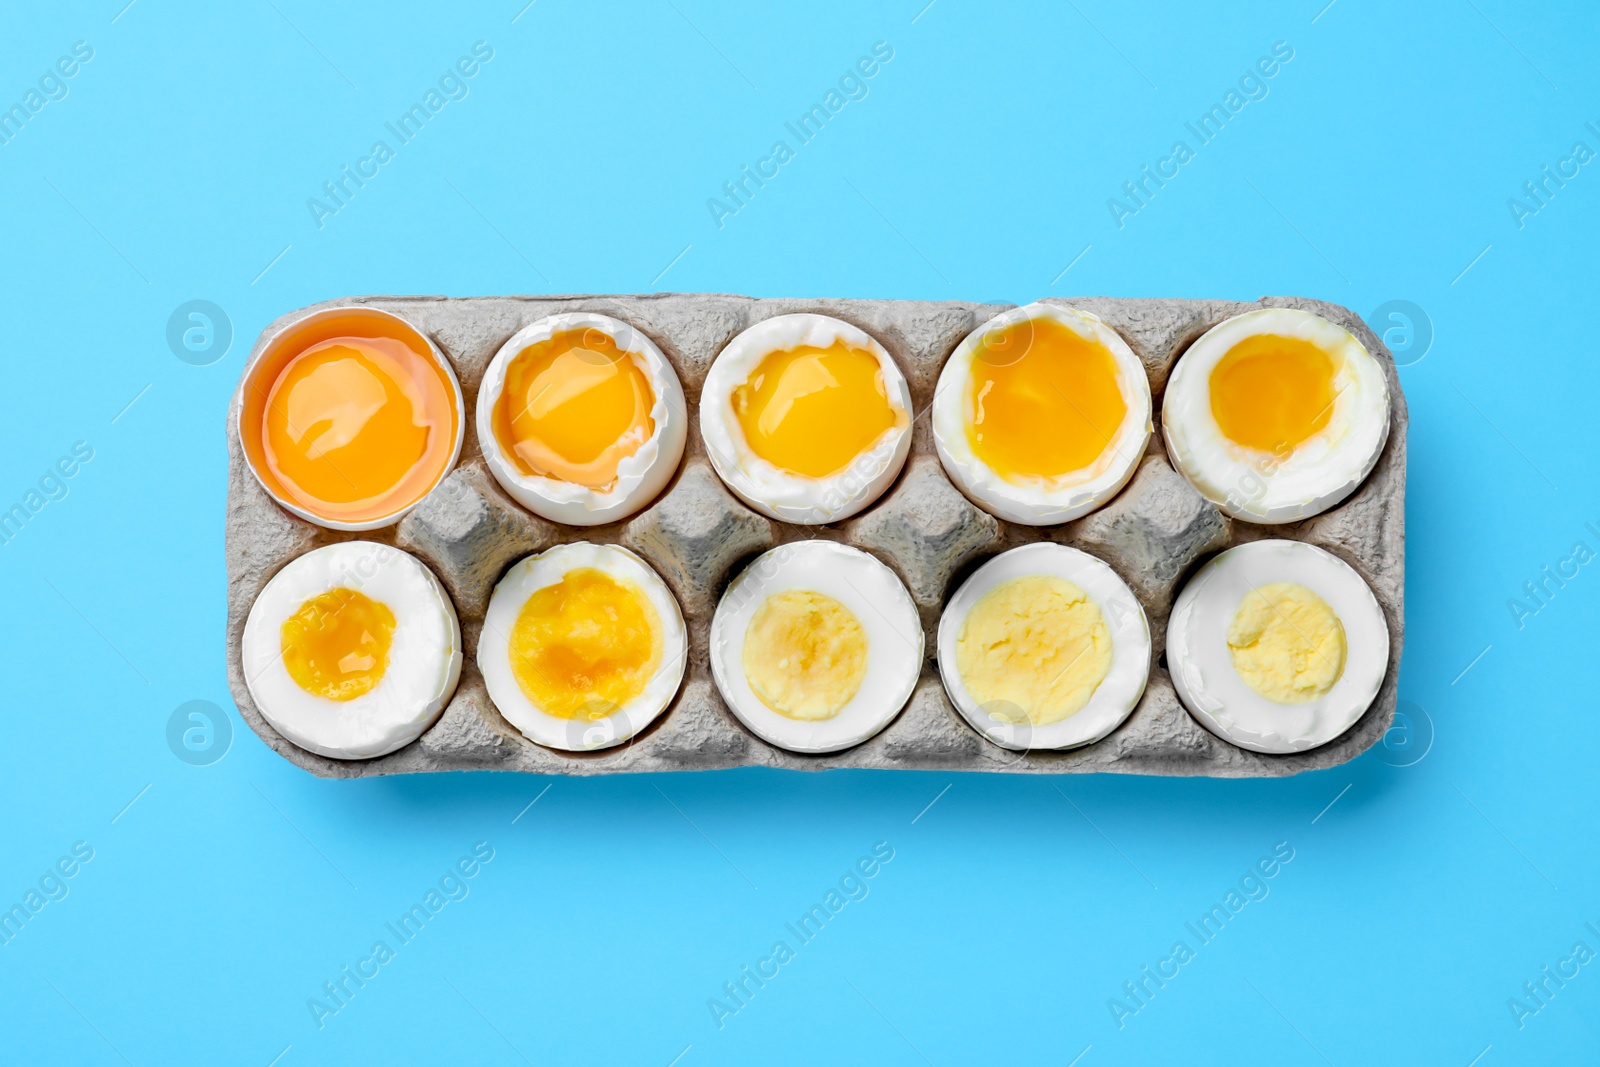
{"type": "Point", "coordinates": [1286, 643]}
{"type": "Point", "coordinates": [1042, 401]}
{"type": "Point", "coordinates": [805, 654]}
{"type": "Point", "coordinates": [574, 407]}
{"type": "Point", "coordinates": [585, 646]}
{"type": "Point", "coordinates": [811, 411]}
{"type": "Point", "coordinates": [356, 428]}
{"type": "Point", "coordinates": [1271, 393]}
{"type": "Point", "coordinates": [1033, 649]}
{"type": "Point", "coordinates": [337, 645]}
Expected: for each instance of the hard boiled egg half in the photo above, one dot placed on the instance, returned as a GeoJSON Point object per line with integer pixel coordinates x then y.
{"type": "Point", "coordinates": [1277, 646]}
{"type": "Point", "coordinates": [1044, 647]}
{"type": "Point", "coordinates": [1276, 415]}
{"type": "Point", "coordinates": [582, 646]}
{"type": "Point", "coordinates": [806, 418]}
{"type": "Point", "coordinates": [1041, 415]}
{"type": "Point", "coordinates": [816, 646]}
{"type": "Point", "coordinates": [581, 418]}
{"type": "Point", "coordinates": [352, 650]}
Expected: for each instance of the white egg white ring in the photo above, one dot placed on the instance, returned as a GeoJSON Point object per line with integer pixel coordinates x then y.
{"type": "Point", "coordinates": [494, 650]}
{"type": "Point", "coordinates": [424, 653]}
{"type": "Point", "coordinates": [1201, 663]}
{"type": "Point", "coordinates": [1320, 472]}
{"type": "Point", "coordinates": [248, 384]}
{"type": "Point", "coordinates": [1118, 693]}
{"type": "Point", "coordinates": [776, 493]}
{"type": "Point", "coordinates": [639, 476]}
{"type": "Point", "coordinates": [1044, 502]}
{"type": "Point", "coordinates": [877, 598]}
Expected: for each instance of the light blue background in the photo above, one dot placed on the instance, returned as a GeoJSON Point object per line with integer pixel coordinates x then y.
{"type": "Point", "coordinates": [1378, 168]}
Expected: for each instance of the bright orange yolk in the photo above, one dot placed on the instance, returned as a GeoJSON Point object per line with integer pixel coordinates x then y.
{"type": "Point", "coordinates": [356, 428]}
{"type": "Point", "coordinates": [337, 645]}
{"type": "Point", "coordinates": [811, 411]}
{"type": "Point", "coordinates": [573, 407]}
{"type": "Point", "coordinates": [1271, 393]}
{"type": "Point", "coordinates": [1042, 401]}
{"type": "Point", "coordinates": [585, 646]}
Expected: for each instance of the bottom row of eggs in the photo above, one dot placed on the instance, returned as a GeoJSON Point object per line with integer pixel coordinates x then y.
{"type": "Point", "coordinates": [353, 650]}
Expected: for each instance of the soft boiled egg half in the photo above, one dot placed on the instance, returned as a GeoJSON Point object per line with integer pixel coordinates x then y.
{"type": "Point", "coordinates": [816, 646]}
{"type": "Point", "coordinates": [1042, 414]}
{"type": "Point", "coordinates": [1277, 646]}
{"type": "Point", "coordinates": [806, 418]}
{"type": "Point", "coordinates": [581, 418]}
{"type": "Point", "coordinates": [1044, 647]}
{"type": "Point", "coordinates": [582, 647]}
{"type": "Point", "coordinates": [1276, 415]}
{"type": "Point", "coordinates": [352, 650]}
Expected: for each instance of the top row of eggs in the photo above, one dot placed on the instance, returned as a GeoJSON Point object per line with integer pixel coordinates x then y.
{"type": "Point", "coordinates": [350, 416]}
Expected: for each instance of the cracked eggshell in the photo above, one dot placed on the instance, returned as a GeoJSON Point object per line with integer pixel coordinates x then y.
{"type": "Point", "coordinates": [1118, 693]}
{"type": "Point", "coordinates": [776, 493]}
{"type": "Point", "coordinates": [1322, 470]}
{"type": "Point", "coordinates": [1201, 664]}
{"type": "Point", "coordinates": [640, 477]}
{"type": "Point", "coordinates": [1042, 502]}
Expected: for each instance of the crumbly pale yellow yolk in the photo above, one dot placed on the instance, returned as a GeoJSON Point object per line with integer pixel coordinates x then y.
{"type": "Point", "coordinates": [805, 654]}
{"type": "Point", "coordinates": [1271, 393]}
{"type": "Point", "coordinates": [357, 427]}
{"type": "Point", "coordinates": [337, 645]}
{"type": "Point", "coordinates": [1042, 401]}
{"type": "Point", "coordinates": [1033, 649]}
{"type": "Point", "coordinates": [811, 411]}
{"type": "Point", "coordinates": [1286, 643]}
{"type": "Point", "coordinates": [573, 407]}
{"type": "Point", "coordinates": [585, 646]}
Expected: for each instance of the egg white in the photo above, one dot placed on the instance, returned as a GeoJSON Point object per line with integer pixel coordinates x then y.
{"type": "Point", "coordinates": [1042, 502]}
{"type": "Point", "coordinates": [875, 596]}
{"type": "Point", "coordinates": [424, 655]}
{"type": "Point", "coordinates": [776, 493]}
{"type": "Point", "coordinates": [1118, 693]}
{"type": "Point", "coordinates": [639, 476]}
{"type": "Point", "coordinates": [494, 648]}
{"type": "Point", "coordinates": [1320, 472]}
{"type": "Point", "coordinates": [1201, 664]}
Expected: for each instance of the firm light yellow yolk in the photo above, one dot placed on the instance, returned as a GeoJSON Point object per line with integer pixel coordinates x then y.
{"type": "Point", "coordinates": [1286, 643]}
{"type": "Point", "coordinates": [1271, 393]}
{"type": "Point", "coordinates": [337, 645]}
{"type": "Point", "coordinates": [574, 407]}
{"type": "Point", "coordinates": [585, 646]}
{"type": "Point", "coordinates": [805, 654]}
{"type": "Point", "coordinates": [1033, 649]}
{"type": "Point", "coordinates": [1042, 401]}
{"type": "Point", "coordinates": [811, 411]}
{"type": "Point", "coordinates": [356, 426]}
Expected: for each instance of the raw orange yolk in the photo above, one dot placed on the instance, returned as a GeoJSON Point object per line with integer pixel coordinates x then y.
{"type": "Point", "coordinates": [811, 411]}
{"type": "Point", "coordinates": [1042, 401]}
{"type": "Point", "coordinates": [337, 645]}
{"type": "Point", "coordinates": [585, 646]}
{"type": "Point", "coordinates": [1271, 393]}
{"type": "Point", "coordinates": [356, 428]}
{"type": "Point", "coordinates": [573, 407]}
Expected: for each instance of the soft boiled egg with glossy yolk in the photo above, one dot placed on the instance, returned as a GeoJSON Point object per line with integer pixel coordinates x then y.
{"type": "Point", "coordinates": [1277, 646]}
{"type": "Point", "coordinates": [581, 418]}
{"type": "Point", "coordinates": [1276, 415]}
{"type": "Point", "coordinates": [816, 646]}
{"type": "Point", "coordinates": [352, 650]}
{"type": "Point", "coordinates": [583, 646]}
{"type": "Point", "coordinates": [1042, 414]}
{"type": "Point", "coordinates": [806, 418]}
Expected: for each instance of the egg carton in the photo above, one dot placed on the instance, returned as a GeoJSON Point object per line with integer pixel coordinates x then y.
{"type": "Point", "coordinates": [697, 536]}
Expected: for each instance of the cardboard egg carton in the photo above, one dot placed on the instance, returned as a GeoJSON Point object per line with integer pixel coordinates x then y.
{"type": "Point", "coordinates": [697, 536]}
